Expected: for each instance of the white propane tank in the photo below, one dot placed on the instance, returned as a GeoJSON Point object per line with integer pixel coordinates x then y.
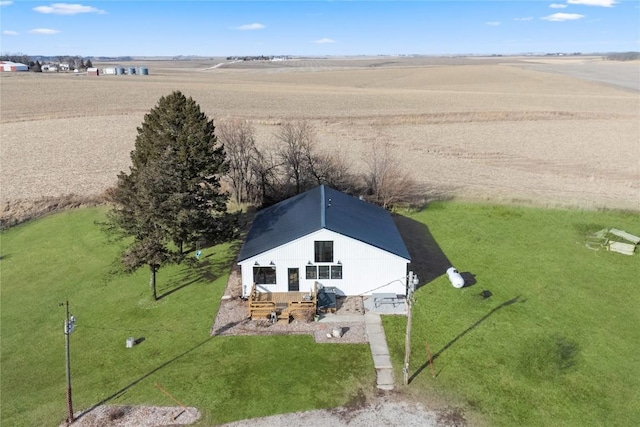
{"type": "Point", "coordinates": [455, 278]}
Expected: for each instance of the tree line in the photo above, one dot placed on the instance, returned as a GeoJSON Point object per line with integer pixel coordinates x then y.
{"type": "Point", "coordinates": [172, 198]}
{"type": "Point", "coordinates": [74, 62]}
{"type": "Point", "coordinates": [297, 162]}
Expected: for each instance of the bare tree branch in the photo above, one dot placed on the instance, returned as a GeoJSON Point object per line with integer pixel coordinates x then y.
{"type": "Point", "coordinates": [238, 137]}
{"type": "Point", "coordinates": [388, 182]}
{"type": "Point", "coordinates": [298, 140]}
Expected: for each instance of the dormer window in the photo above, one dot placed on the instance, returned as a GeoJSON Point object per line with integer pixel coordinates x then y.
{"type": "Point", "coordinates": [323, 251]}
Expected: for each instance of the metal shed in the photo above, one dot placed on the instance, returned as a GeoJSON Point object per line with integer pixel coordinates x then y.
{"type": "Point", "coordinates": [13, 66]}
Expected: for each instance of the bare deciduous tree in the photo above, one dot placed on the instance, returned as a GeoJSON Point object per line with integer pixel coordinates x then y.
{"type": "Point", "coordinates": [331, 168]}
{"type": "Point", "coordinates": [266, 188]}
{"type": "Point", "coordinates": [303, 165]}
{"type": "Point", "coordinates": [297, 164]}
{"type": "Point", "coordinates": [239, 144]}
{"type": "Point", "coordinates": [298, 140]}
{"type": "Point", "coordinates": [387, 181]}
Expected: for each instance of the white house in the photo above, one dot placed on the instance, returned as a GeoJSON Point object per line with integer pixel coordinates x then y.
{"type": "Point", "coordinates": [326, 237]}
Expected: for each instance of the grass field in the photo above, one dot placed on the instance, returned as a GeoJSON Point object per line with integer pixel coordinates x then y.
{"type": "Point", "coordinates": [555, 344]}
{"type": "Point", "coordinates": [66, 257]}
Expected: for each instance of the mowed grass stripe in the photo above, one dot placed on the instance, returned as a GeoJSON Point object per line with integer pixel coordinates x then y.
{"type": "Point", "coordinates": [556, 343]}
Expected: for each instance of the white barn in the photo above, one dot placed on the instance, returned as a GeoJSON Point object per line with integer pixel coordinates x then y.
{"type": "Point", "coordinates": [13, 66]}
{"type": "Point", "coordinates": [324, 237]}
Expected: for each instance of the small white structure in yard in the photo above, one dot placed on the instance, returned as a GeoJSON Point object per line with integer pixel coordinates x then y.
{"type": "Point", "coordinates": [455, 278]}
{"type": "Point", "coordinates": [328, 238]}
{"type": "Point", "coordinates": [13, 66]}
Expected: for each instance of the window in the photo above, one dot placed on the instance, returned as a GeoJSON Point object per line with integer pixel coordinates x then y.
{"type": "Point", "coordinates": [312, 272]}
{"type": "Point", "coordinates": [323, 272]}
{"type": "Point", "coordinates": [264, 275]}
{"type": "Point", "coordinates": [336, 272]}
{"type": "Point", "coordinates": [323, 251]}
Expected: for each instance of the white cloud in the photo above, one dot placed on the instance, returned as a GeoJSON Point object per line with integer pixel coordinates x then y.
{"type": "Point", "coordinates": [9, 33]}
{"type": "Point", "coordinates": [602, 3]}
{"type": "Point", "coordinates": [250, 27]}
{"type": "Point", "coordinates": [528, 18]}
{"type": "Point", "coordinates": [324, 41]}
{"type": "Point", "coordinates": [67, 9]}
{"type": "Point", "coordinates": [557, 6]}
{"type": "Point", "coordinates": [46, 31]}
{"type": "Point", "coordinates": [492, 23]}
{"type": "Point", "coordinates": [5, 2]}
{"type": "Point", "coordinates": [557, 17]}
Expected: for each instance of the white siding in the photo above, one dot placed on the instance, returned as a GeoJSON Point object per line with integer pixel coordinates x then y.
{"type": "Point", "coordinates": [14, 66]}
{"type": "Point", "coordinates": [365, 269]}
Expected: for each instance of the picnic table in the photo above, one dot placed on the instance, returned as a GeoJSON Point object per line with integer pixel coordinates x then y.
{"type": "Point", "coordinates": [380, 299]}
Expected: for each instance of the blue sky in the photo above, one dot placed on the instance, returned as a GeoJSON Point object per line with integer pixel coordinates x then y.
{"type": "Point", "coordinates": [223, 28]}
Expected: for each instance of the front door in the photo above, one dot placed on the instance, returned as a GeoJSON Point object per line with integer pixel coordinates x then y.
{"type": "Point", "coordinates": [294, 280]}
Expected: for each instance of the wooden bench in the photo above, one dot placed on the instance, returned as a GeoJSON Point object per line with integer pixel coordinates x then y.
{"type": "Point", "coordinates": [260, 313]}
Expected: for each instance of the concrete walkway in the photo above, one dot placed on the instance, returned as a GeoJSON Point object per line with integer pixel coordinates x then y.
{"type": "Point", "coordinates": [374, 334]}
{"type": "Point", "coordinates": [379, 351]}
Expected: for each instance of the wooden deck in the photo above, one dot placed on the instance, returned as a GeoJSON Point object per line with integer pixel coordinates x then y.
{"type": "Point", "coordinates": [282, 306]}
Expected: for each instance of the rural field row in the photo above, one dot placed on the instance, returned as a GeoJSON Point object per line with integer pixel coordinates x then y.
{"type": "Point", "coordinates": [482, 130]}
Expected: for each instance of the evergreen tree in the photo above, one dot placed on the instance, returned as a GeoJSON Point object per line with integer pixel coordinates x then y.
{"type": "Point", "coordinates": [172, 193]}
{"type": "Point", "coordinates": [88, 64]}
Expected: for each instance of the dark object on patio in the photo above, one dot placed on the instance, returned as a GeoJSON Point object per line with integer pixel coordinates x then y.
{"type": "Point", "coordinates": [327, 300]}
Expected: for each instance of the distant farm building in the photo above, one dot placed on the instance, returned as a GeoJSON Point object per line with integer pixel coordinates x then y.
{"type": "Point", "coordinates": [49, 68]}
{"type": "Point", "coordinates": [13, 66]}
{"type": "Point", "coordinates": [122, 71]}
{"type": "Point", "coordinates": [92, 71]}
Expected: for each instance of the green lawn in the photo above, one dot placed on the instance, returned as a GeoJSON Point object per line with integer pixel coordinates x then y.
{"type": "Point", "coordinates": [67, 257]}
{"type": "Point", "coordinates": [557, 343]}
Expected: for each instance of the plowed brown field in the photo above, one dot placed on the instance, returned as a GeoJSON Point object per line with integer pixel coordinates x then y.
{"type": "Point", "coordinates": [558, 132]}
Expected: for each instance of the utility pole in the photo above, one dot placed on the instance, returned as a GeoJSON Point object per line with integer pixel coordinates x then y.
{"type": "Point", "coordinates": [69, 326]}
{"type": "Point", "coordinates": [412, 282]}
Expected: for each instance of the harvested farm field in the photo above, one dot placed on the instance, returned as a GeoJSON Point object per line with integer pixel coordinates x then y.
{"type": "Point", "coordinates": [547, 131]}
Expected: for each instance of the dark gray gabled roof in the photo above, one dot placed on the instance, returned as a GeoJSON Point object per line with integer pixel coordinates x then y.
{"type": "Point", "coordinates": [322, 207]}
